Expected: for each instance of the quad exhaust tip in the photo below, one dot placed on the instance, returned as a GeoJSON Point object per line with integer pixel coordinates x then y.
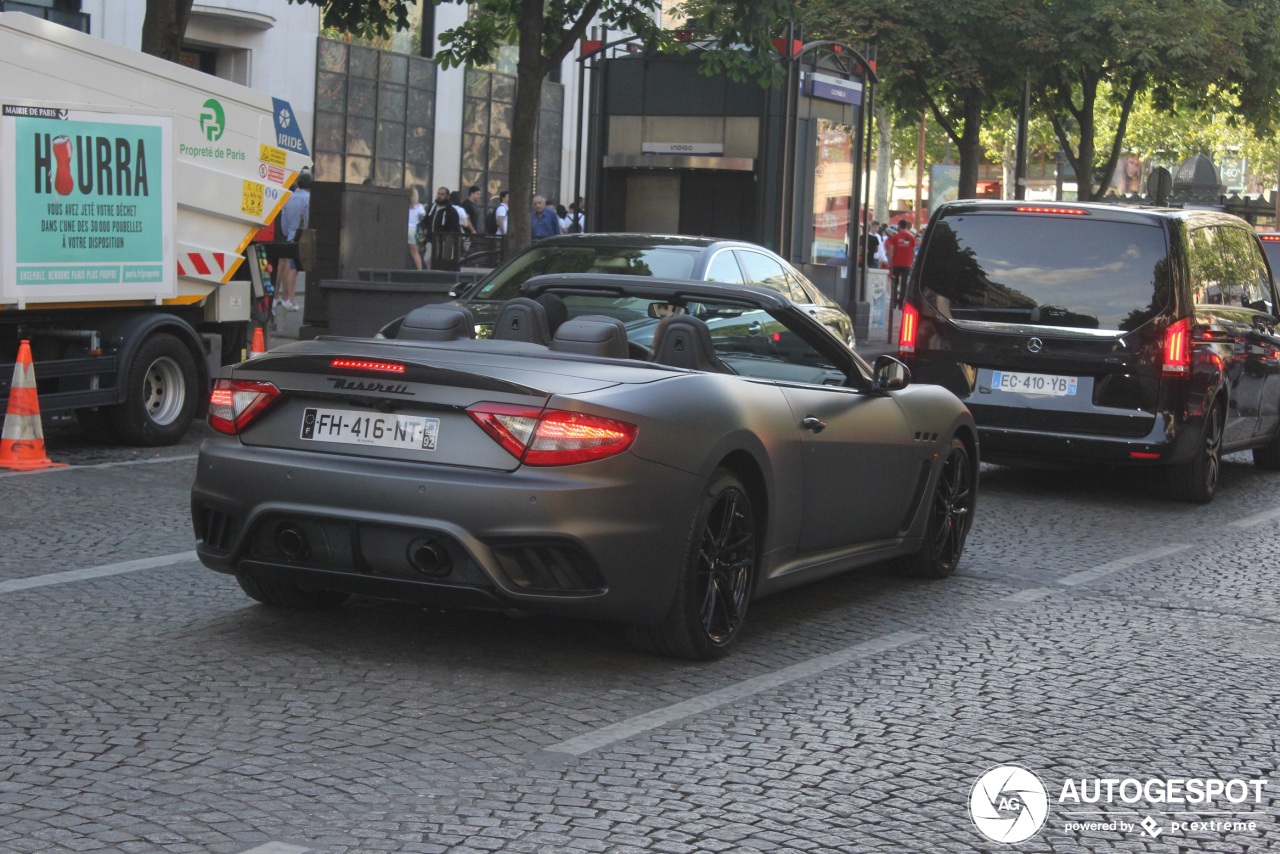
{"type": "Point", "coordinates": [292, 542]}
{"type": "Point", "coordinates": [430, 557]}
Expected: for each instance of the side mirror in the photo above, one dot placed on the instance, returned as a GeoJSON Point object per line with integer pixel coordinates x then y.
{"type": "Point", "coordinates": [889, 374]}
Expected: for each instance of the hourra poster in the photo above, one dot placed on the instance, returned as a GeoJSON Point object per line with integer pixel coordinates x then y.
{"type": "Point", "coordinates": [88, 205]}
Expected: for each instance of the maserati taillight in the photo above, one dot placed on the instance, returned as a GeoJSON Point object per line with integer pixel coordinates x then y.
{"type": "Point", "coordinates": [234, 403]}
{"type": "Point", "coordinates": [552, 437]}
{"type": "Point", "coordinates": [1177, 349]}
{"type": "Point", "coordinates": [910, 326]}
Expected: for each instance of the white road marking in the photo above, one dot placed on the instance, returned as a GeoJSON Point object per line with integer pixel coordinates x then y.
{"type": "Point", "coordinates": [639, 724]}
{"type": "Point", "coordinates": [1029, 595]}
{"type": "Point", "coordinates": [1084, 576]}
{"type": "Point", "coordinates": [1256, 519]}
{"type": "Point", "coordinates": [17, 584]}
{"type": "Point", "coordinates": [149, 462]}
{"type": "Point", "coordinates": [277, 848]}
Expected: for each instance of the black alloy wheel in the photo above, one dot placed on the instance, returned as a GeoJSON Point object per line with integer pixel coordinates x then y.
{"type": "Point", "coordinates": [726, 559]}
{"type": "Point", "coordinates": [716, 577]}
{"type": "Point", "coordinates": [1197, 481]}
{"type": "Point", "coordinates": [950, 517]}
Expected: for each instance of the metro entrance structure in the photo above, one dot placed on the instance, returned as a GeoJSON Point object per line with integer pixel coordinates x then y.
{"type": "Point", "coordinates": [671, 150]}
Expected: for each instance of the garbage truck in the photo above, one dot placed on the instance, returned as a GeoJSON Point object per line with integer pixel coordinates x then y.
{"type": "Point", "coordinates": [131, 190]}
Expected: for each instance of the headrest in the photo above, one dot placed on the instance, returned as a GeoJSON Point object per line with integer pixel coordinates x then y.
{"type": "Point", "coordinates": [592, 335]}
{"type": "Point", "coordinates": [557, 310]}
{"type": "Point", "coordinates": [438, 323]}
{"type": "Point", "coordinates": [522, 319]}
{"type": "Point", "coordinates": [684, 341]}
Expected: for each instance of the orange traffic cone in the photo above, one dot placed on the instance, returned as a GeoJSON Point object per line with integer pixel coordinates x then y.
{"type": "Point", "coordinates": [258, 347]}
{"type": "Point", "coordinates": [22, 443]}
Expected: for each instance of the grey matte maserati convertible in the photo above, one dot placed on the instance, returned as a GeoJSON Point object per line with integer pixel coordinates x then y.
{"type": "Point", "coordinates": [561, 466]}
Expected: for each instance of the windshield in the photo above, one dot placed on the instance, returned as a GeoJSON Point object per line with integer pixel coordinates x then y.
{"type": "Point", "coordinates": [668, 262]}
{"type": "Point", "coordinates": [1073, 271]}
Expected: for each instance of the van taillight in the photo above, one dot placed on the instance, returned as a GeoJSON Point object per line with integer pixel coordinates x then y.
{"type": "Point", "coordinates": [1177, 349]}
{"type": "Point", "coordinates": [910, 326]}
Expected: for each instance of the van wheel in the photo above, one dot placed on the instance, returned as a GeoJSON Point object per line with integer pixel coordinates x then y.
{"type": "Point", "coordinates": [1268, 456]}
{"type": "Point", "coordinates": [1196, 482]}
{"type": "Point", "coordinates": [160, 393]}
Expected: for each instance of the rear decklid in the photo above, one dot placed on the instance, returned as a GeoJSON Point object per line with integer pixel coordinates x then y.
{"type": "Point", "coordinates": [402, 400]}
{"type": "Point", "coordinates": [1042, 316]}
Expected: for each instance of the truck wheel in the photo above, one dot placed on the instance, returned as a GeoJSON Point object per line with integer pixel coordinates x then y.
{"type": "Point", "coordinates": [160, 393]}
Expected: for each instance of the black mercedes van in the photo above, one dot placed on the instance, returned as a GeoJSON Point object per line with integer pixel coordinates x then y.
{"type": "Point", "coordinates": [1107, 334]}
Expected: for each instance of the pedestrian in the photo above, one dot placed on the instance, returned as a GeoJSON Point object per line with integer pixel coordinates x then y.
{"type": "Point", "coordinates": [445, 222]}
{"type": "Point", "coordinates": [574, 223]}
{"type": "Point", "coordinates": [416, 214]}
{"type": "Point", "coordinates": [871, 244]}
{"type": "Point", "coordinates": [545, 221]}
{"type": "Point", "coordinates": [901, 248]}
{"type": "Point", "coordinates": [464, 219]}
{"type": "Point", "coordinates": [562, 214]}
{"type": "Point", "coordinates": [501, 213]}
{"type": "Point", "coordinates": [294, 218]}
{"type": "Point", "coordinates": [475, 211]}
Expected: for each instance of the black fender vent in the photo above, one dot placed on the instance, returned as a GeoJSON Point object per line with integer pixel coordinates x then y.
{"type": "Point", "coordinates": [215, 529]}
{"type": "Point", "coordinates": [918, 496]}
{"type": "Point", "coordinates": [548, 567]}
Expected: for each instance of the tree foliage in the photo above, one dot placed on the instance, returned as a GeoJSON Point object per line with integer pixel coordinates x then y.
{"type": "Point", "coordinates": [1106, 55]}
{"type": "Point", "coordinates": [956, 61]}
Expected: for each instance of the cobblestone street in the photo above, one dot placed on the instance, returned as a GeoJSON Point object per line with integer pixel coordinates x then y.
{"type": "Point", "coordinates": [1092, 631]}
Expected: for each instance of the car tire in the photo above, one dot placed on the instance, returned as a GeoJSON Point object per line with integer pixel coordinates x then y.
{"type": "Point", "coordinates": [717, 577]}
{"type": "Point", "coordinates": [1196, 482]}
{"type": "Point", "coordinates": [1268, 456]}
{"type": "Point", "coordinates": [160, 394]}
{"type": "Point", "coordinates": [950, 517]}
{"type": "Point", "coordinates": [282, 594]}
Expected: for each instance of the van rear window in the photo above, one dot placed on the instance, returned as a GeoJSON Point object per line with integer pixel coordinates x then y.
{"type": "Point", "coordinates": [1080, 272]}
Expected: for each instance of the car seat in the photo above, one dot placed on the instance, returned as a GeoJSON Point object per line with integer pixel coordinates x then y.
{"type": "Point", "coordinates": [684, 341]}
{"type": "Point", "coordinates": [557, 310]}
{"type": "Point", "coordinates": [438, 323]}
{"type": "Point", "coordinates": [592, 335]}
{"type": "Point", "coordinates": [523, 319]}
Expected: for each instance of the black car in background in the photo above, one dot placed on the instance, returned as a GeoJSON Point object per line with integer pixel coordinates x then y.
{"type": "Point", "coordinates": [702, 259]}
{"type": "Point", "coordinates": [1101, 334]}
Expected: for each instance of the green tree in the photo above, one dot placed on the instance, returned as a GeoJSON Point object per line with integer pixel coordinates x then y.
{"type": "Point", "coordinates": [1099, 56]}
{"type": "Point", "coordinates": [957, 61]}
{"type": "Point", "coordinates": [1214, 128]}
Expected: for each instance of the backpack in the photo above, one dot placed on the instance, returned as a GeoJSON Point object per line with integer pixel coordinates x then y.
{"type": "Point", "coordinates": [491, 222]}
{"type": "Point", "coordinates": [444, 219]}
{"type": "Point", "coordinates": [575, 225]}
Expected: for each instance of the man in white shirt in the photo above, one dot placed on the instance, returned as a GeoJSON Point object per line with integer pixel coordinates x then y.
{"type": "Point", "coordinates": [503, 211]}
